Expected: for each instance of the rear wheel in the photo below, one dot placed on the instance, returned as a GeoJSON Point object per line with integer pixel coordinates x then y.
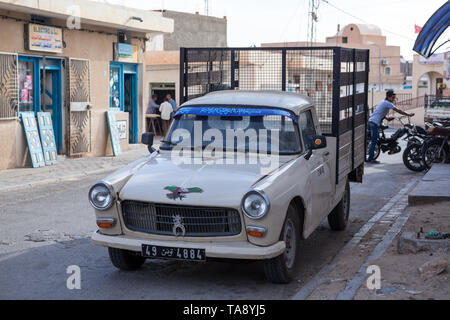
{"type": "Point", "coordinates": [282, 268]}
{"type": "Point", "coordinates": [412, 158]}
{"type": "Point", "coordinates": [433, 153]}
{"type": "Point", "coordinates": [338, 218]}
{"type": "Point", "coordinates": [125, 260]}
{"type": "Point", "coordinates": [376, 153]}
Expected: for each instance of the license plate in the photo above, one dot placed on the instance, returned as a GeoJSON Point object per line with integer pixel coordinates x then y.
{"type": "Point", "coordinates": [172, 253]}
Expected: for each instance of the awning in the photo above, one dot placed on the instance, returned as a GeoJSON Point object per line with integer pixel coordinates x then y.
{"type": "Point", "coordinates": [432, 30]}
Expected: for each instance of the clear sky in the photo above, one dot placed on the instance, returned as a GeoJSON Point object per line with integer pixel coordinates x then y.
{"type": "Point", "coordinates": [252, 22]}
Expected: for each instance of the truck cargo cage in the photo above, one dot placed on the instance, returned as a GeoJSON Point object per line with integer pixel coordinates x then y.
{"type": "Point", "coordinates": [334, 78]}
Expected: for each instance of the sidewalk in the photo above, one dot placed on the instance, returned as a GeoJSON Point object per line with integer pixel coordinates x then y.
{"type": "Point", "coordinates": [67, 169]}
{"type": "Point", "coordinates": [434, 187]}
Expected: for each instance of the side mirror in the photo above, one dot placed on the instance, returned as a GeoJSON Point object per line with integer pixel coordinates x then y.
{"type": "Point", "coordinates": [147, 139]}
{"type": "Point", "coordinates": [317, 142]}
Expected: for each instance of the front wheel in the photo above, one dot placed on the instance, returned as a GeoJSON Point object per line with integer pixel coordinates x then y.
{"type": "Point", "coordinates": [125, 260]}
{"type": "Point", "coordinates": [412, 158]}
{"type": "Point", "coordinates": [338, 218]}
{"type": "Point", "coordinates": [282, 268]}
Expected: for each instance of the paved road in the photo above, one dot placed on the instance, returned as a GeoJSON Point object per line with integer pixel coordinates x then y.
{"type": "Point", "coordinates": [46, 229]}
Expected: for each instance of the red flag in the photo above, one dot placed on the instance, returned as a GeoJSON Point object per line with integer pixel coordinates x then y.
{"type": "Point", "coordinates": [418, 29]}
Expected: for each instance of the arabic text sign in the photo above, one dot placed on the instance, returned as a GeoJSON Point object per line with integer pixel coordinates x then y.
{"type": "Point", "coordinates": [44, 38]}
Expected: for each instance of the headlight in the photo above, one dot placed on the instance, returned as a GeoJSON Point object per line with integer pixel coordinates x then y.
{"type": "Point", "coordinates": [255, 204]}
{"type": "Point", "coordinates": [101, 196]}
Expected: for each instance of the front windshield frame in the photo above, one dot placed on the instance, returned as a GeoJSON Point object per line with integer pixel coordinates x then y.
{"type": "Point", "coordinates": [168, 145]}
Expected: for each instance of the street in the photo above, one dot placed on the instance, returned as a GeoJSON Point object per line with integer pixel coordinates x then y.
{"type": "Point", "coordinates": [46, 229]}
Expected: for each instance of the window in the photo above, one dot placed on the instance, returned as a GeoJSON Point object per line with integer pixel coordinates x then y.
{"type": "Point", "coordinates": [387, 71]}
{"type": "Point", "coordinates": [307, 128]}
{"type": "Point", "coordinates": [330, 40]}
{"type": "Point", "coordinates": [344, 40]}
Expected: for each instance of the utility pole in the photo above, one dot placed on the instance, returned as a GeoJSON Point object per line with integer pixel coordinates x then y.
{"type": "Point", "coordinates": [312, 21]}
{"type": "Point", "coordinates": [206, 7]}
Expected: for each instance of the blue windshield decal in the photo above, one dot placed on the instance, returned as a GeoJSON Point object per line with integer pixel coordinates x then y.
{"type": "Point", "coordinates": [234, 112]}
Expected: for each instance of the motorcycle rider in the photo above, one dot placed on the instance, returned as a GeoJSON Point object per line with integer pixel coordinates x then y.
{"type": "Point", "coordinates": [376, 120]}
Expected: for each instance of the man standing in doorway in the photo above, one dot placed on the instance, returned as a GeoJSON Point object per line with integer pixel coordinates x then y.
{"type": "Point", "coordinates": [166, 111]}
{"type": "Point", "coordinates": [153, 107]}
{"type": "Point", "coordinates": [172, 102]}
{"type": "Point", "coordinates": [376, 120]}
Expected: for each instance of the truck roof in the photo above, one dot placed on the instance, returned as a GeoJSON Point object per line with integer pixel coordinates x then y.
{"type": "Point", "coordinates": [285, 100]}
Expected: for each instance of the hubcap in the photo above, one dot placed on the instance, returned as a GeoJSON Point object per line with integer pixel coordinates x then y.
{"type": "Point", "coordinates": [291, 243]}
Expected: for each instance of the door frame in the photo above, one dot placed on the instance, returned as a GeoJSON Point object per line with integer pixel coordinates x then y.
{"type": "Point", "coordinates": [129, 69]}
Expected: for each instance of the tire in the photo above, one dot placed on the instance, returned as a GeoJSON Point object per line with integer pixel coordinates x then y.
{"type": "Point", "coordinates": [429, 153]}
{"type": "Point", "coordinates": [412, 158]}
{"type": "Point", "coordinates": [338, 218]}
{"type": "Point", "coordinates": [282, 269]}
{"type": "Point", "coordinates": [125, 260]}
{"type": "Point", "coordinates": [377, 152]}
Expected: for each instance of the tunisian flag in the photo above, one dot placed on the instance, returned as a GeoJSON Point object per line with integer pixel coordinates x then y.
{"type": "Point", "coordinates": [418, 29]}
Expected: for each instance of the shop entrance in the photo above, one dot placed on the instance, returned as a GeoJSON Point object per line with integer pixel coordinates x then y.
{"type": "Point", "coordinates": [161, 90]}
{"type": "Point", "coordinates": [51, 98]}
{"type": "Point", "coordinates": [124, 94]}
{"type": "Point", "coordinates": [40, 90]}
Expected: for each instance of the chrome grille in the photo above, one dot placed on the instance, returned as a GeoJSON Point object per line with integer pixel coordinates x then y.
{"type": "Point", "coordinates": [198, 221]}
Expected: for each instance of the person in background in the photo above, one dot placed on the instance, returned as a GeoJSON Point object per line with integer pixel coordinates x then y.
{"type": "Point", "coordinates": [166, 114]}
{"type": "Point", "coordinates": [376, 119]}
{"type": "Point", "coordinates": [172, 102]}
{"type": "Point", "coordinates": [153, 107]}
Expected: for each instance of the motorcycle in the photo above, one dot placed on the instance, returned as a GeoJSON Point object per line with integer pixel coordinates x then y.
{"type": "Point", "coordinates": [414, 135]}
{"type": "Point", "coordinates": [436, 149]}
{"type": "Point", "coordinates": [413, 156]}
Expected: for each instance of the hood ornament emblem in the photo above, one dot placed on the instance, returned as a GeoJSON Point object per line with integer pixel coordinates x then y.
{"type": "Point", "coordinates": [178, 227]}
{"type": "Point", "coordinates": [180, 193]}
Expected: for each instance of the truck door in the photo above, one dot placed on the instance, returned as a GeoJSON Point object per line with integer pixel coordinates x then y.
{"type": "Point", "coordinates": [319, 168]}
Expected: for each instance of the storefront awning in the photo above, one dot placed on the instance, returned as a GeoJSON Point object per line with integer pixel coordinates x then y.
{"type": "Point", "coordinates": [433, 29]}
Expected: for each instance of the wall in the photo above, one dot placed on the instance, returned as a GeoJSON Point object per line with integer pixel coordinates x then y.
{"type": "Point", "coordinates": [193, 30]}
{"type": "Point", "coordinates": [432, 71]}
{"type": "Point", "coordinates": [98, 48]}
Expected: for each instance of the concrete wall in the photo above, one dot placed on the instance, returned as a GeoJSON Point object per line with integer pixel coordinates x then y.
{"type": "Point", "coordinates": [98, 48]}
{"type": "Point", "coordinates": [193, 30]}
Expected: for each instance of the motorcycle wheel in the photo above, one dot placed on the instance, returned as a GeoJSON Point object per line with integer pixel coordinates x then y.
{"type": "Point", "coordinates": [412, 158]}
{"type": "Point", "coordinates": [377, 152]}
{"type": "Point", "coordinates": [431, 154]}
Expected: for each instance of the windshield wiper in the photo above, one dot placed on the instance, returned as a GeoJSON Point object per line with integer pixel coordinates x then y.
{"type": "Point", "coordinates": [170, 142]}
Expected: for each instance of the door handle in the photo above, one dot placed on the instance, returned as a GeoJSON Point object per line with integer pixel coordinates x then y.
{"type": "Point", "coordinates": [326, 154]}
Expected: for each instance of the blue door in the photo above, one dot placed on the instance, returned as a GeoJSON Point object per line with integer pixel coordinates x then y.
{"type": "Point", "coordinates": [51, 99]}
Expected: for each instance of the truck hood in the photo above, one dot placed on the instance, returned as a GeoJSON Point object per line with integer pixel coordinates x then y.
{"type": "Point", "coordinates": [161, 180]}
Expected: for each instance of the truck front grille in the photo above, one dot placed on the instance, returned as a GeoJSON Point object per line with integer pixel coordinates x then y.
{"type": "Point", "coordinates": [197, 221]}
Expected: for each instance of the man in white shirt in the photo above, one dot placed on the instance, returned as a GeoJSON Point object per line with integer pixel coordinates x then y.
{"type": "Point", "coordinates": [166, 111]}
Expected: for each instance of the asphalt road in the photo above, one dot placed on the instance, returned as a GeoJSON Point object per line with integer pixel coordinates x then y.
{"type": "Point", "coordinates": [46, 229]}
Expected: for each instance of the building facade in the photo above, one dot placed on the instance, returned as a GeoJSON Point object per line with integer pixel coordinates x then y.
{"type": "Point", "coordinates": [163, 51]}
{"type": "Point", "coordinates": [385, 61]}
{"type": "Point", "coordinates": [77, 60]}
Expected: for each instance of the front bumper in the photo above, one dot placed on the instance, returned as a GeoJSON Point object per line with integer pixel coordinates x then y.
{"type": "Point", "coordinates": [223, 250]}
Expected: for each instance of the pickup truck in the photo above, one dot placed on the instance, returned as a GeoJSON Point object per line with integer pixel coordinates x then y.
{"type": "Point", "coordinates": [241, 174]}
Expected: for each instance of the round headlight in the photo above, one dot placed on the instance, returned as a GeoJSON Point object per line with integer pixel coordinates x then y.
{"type": "Point", "coordinates": [101, 196]}
{"type": "Point", "coordinates": [255, 204]}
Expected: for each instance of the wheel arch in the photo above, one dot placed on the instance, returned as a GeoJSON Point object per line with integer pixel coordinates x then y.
{"type": "Point", "coordinates": [299, 204]}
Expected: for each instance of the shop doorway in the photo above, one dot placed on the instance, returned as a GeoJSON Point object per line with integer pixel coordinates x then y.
{"type": "Point", "coordinates": [51, 97]}
{"type": "Point", "coordinates": [40, 90]}
{"type": "Point", "coordinates": [130, 104]}
{"type": "Point", "coordinates": [161, 90]}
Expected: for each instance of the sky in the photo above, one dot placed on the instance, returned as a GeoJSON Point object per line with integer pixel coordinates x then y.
{"type": "Point", "coordinates": [252, 22]}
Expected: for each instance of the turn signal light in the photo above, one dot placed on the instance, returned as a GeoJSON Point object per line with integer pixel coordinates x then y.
{"type": "Point", "coordinates": [106, 223]}
{"type": "Point", "coordinates": [257, 232]}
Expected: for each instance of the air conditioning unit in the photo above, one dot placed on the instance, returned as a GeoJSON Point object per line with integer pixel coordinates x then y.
{"type": "Point", "coordinates": [384, 62]}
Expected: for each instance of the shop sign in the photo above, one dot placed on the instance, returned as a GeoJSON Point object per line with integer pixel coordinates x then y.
{"type": "Point", "coordinates": [124, 52]}
{"type": "Point", "coordinates": [44, 38]}
{"type": "Point", "coordinates": [437, 58]}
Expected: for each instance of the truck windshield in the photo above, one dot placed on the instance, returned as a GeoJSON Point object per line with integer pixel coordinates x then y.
{"type": "Point", "coordinates": [264, 132]}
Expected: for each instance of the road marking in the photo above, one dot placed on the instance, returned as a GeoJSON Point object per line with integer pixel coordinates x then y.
{"type": "Point", "coordinates": [319, 278]}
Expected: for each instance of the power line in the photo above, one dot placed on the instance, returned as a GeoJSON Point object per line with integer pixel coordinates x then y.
{"type": "Point", "coordinates": [362, 20]}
